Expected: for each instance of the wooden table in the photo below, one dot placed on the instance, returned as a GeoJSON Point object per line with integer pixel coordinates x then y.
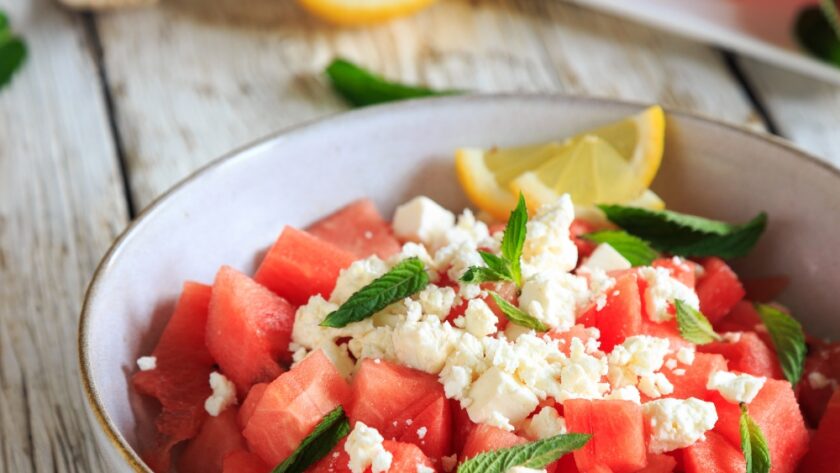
{"type": "Point", "coordinates": [111, 109]}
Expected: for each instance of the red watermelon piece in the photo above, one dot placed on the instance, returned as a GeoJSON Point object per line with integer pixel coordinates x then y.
{"type": "Point", "coordinates": [776, 411]}
{"type": "Point", "coordinates": [825, 360]}
{"type": "Point", "coordinates": [566, 464]}
{"type": "Point", "coordinates": [300, 265]}
{"type": "Point", "coordinates": [431, 429]}
{"type": "Point", "coordinates": [659, 463]}
{"type": "Point", "coordinates": [742, 317]}
{"type": "Point", "coordinates": [564, 338]}
{"type": "Point", "coordinates": [485, 438]}
{"type": "Point", "coordinates": [621, 316]}
{"type": "Point", "coordinates": [461, 426]}
{"type": "Point", "coordinates": [718, 289]}
{"type": "Point", "coordinates": [248, 330]}
{"type": "Point", "coordinates": [765, 289]}
{"type": "Point", "coordinates": [358, 228]}
{"type": "Point", "coordinates": [219, 436]}
{"type": "Point", "coordinates": [618, 434]}
{"type": "Point", "coordinates": [292, 405]}
{"type": "Point", "coordinates": [748, 355]}
{"type": "Point", "coordinates": [406, 457]}
{"type": "Point", "coordinates": [576, 229]}
{"type": "Point", "coordinates": [824, 454]}
{"type": "Point", "coordinates": [693, 382]}
{"type": "Point", "coordinates": [713, 455]}
{"type": "Point", "coordinates": [250, 404]}
{"type": "Point", "coordinates": [180, 382]}
{"type": "Point", "coordinates": [242, 461]}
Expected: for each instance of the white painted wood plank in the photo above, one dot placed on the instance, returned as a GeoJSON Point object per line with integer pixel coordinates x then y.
{"type": "Point", "coordinates": [192, 81]}
{"type": "Point", "coordinates": [804, 110]}
{"type": "Point", "coordinates": [61, 204]}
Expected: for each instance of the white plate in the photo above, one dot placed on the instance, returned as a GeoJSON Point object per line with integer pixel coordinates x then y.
{"type": "Point", "coordinates": [230, 211]}
{"type": "Point", "coordinates": [758, 28]}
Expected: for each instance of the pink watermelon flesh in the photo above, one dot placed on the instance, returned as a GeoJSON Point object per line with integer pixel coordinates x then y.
{"type": "Point", "coordinates": [824, 454]}
{"type": "Point", "coordinates": [713, 455]}
{"type": "Point", "coordinates": [659, 464]}
{"type": "Point", "coordinates": [719, 289]}
{"type": "Point", "coordinates": [748, 355]}
{"type": "Point", "coordinates": [621, 316]}
{"type": "Point", "coordinates": [250, 404]}
{"type": "Point", "coordinates": [219, 436]}
{"type": "Point", "coordinates": [693, 382]}
{"type": "Point", "coordinates": [359, 229]}
{"type": "Point", "coordinates": [242, 461]}
{"type": "Point", "coordinates": [485, 438]}
{"type": "Point", "coordinates": [618, 434]}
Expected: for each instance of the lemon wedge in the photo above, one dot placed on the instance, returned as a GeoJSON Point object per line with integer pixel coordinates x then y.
{"type": "Point", "coordinates": [612, 164]}
{"type": "Point", "coordinates": [360, 12]}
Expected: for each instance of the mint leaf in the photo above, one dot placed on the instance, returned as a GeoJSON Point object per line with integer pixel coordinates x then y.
{"type": "Point", "coordinates": [687, 235]}
{"type": "Point", "coordinates": [635, 250]}
{"type": "Point", "coordinates": [514, 239]}
{"type": "Point", "coordinates": [480, 274]}
{"type": "Point", "coordinates": [694, 326]}
{"type": "Point", "coordinates": [517, 316]}
{"type": "Point", "coordinates": [4, 21]}
{"type": "Point", "coordinates": [498, 265]}
{"type": "Point", "coordinates": [406, 278]}
{"type": "Point", "coordinates": [12, 52]}
{"type": "Point", "coordinates": [829, 9]}
{"type": "Point", "coordinates": [788, 338]}
{"type": "Point", "coordinates": [753, 444]}
{"type": "Point", "coordinates": [815, 33]}
{"type": "Point", "coordinates": [361, 87]}
{"type": "Point", "coordinates": [332, 428]}
{"type": "Point", "coordinates": [537, 455]}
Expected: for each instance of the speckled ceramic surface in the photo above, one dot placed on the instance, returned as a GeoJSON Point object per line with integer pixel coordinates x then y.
{"type": "Point", "coordinates": [232, 210]}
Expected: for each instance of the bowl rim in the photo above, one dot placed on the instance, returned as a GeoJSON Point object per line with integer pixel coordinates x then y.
{"type": "Point", "coordinates": [93, 401]}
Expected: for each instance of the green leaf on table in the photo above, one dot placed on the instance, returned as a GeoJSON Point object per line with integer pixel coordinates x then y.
{"type": "Point", "coordinates": [694, 326]}
{"type": "Point", "coordinates": [788, 339]}
{"type": "Point", "coordinates": [361, 87]}
{"type": "Point", "coordinates": [817, 34]}
{"type": "Point", "coordinates": [403, 280]}
{"type": "Point", "coordinates": [753, 444]}
{"type": "Point", "coordinates": [536, 455]}
{"type": "Point", "coordinates": [514, 239]}
{"type": "Point", "coordinates": [635, 250]}
{"type": "Point", "coordinates": [12, 51]}
{"type": "Point", "coordinates": [4, 21]}
{"type": "Point", "coordinates": [517, 316]}
{"type": "Point", "coordinates": [687, 235]}
{"type": "Point", "coordinates": [332, 428]}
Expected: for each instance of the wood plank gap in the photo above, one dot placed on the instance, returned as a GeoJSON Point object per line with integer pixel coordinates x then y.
{"type": "Point", "coordinates": [99, 59]}
{"type": "Point", "coordinates": [752, 95]}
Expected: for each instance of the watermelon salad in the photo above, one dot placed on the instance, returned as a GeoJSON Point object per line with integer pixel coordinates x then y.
{"type": "Point", "coordinates": [441, 343]}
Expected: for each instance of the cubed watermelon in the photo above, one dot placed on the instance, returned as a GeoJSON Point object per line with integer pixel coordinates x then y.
{"type": "Point", "coordinates": [668, 329]}
{"type": "Point", "coordinates": [824, 454]}
{"type": "Point", "coordinates": [248, 330]}
{"type": "Point", "coordinates": [774, 410]}
{"type": "Point", "coordinates": [358, 228]}
{"type": "Point", "coordinates": [713, 455]}
{"type": "Point", "coordinates": [749, 354]}
{"type": "Point", "coordinates": [292, 405]}
{"type": "Point", "coordinates": [250, 404]}
{"type": "Point", "coordinates": [692, 383]}
{"type": "Point", "coordinates": [823, 363]}
{"type": "Point", "coordinates": [621, 316]}
{"type": "Point", "coordinates": [461, 426]}
{"type": "Point", "coordinates": [718, 289]}
{"type": "Point", "coordinates": [659, 463]}
{"type": "Point", "coordinates": [300, 265]}
{"type": "Point", "coordinates": [431, 428]}
{"type": "Point", "coordinates": [765, 289]}
{"type": "Point", "coordinates": [180, 381]}
{"type": "Point", "coordinates": [484, 438]}
{"type": "Point", "coordinates": [582, 227]}
{"type": "Point", "coordinates": [242, 461]}
{"type": "Point", "coordinates": [219, 436]}
{"type": "Point", "coordinates": [742, 317]}
{"type": "Point", "coordinates": [618, 434]}
{"type": "Point", "coordinates": [407, 457]}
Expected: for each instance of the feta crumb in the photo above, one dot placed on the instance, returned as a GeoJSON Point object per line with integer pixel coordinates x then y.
{"type": "Point", "coordinates": [356, 276]}
{"type": "Point", "coordinates": [655, 385]}
{"type": "Point", "coordinates": [147, 363]}
{"type": "Point", "coordinates": [465, 363]}
{"type": "Point", "coordinates": [677, 423]}
{"type": "Point", "coordinates": [554, 297]}
{"type": "Point", "coordinates": [224, 394]}
{"type": "Point", "coordinates": [606, 258]}
{"type": "Point", "coordinates": [479, 319]}
{"type": "Point", "coordinates": [364, 445]}
{"type": "Point", "coordinates": [424, 344]}
{"type": "Point", "coordinates": [499, 399]}
{"type": "Point", "coordinates": [580, 375]}
{"type": "Point", "coordinates": [731, 337]}
{"type": "Point", "coordinates": [546, 423]}
{"type": "Point", "coordinates": [449, 462]}
{"type": "Point", "coordinates": [671, 363]}
{"type": "Point", "coordinates": [514, 331]}
{"type": "Point", "coordinates": [626, 393]}
{"type": "Point", "coordinates": [637, 356]}
{"type": "Point", "coordinates": [437, 300]}
{"type": "Point", "coordinates": [422, 219]}
{"type": "Point", "coordinates": [548, 244]}
{"type": "Point", "coordinates": [734, 387]}
{"type": "Point", "coordinates": [679, 372]}
{"type": "Point", "coordinates": [421, 468]}
{"type": "Point", "coordinates": [818, 380]}
{"type": "Point", "coordinates": [661, 292]}
{"type": "Point", "coordinates": [421, 432]}
{"type": "Point", "coordinates": [685, 355]}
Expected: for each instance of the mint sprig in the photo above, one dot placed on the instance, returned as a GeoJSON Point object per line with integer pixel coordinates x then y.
{"type": "Point", "coordinates": [12, 51]}
{"type": "Point", "coordinates": [332, 428]}
{"type": "Point", "coordinates": [753, 444]}
{"type": "Point", "coordinates": [537, 455]}
{"type": "Point", "coordinates": [788, 339]}
{"type": "Point", "coordinates": [403, 280]}
{"type": "Point", "coordinates": [517, 316]}
{"type": "Point", "coordinates": [507, 267]}
{"type": "Point", "coordinates": [361, 87]}
{"type": "Point", "coordinates": [815, 33]}
{"type": "Point", "coordinates": [687, 235]}
{"type": "Point", "coordinates": [694, 326]}
{"type": "Point", "coordinates": [635, 250]}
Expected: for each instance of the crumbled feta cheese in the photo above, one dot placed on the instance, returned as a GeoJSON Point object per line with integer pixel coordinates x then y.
{"type": "Point", "coordinates": [449, 462]}
{"type": "Point", "coordinates": [626, 393]}
{"type": "Point", "coordinates": [378, 343]}
{"type": "Point", "coordinates": [655, 385]}
{"type": "Point", "coordinates": [546, 423]}
{"type": "Point", "coordinates": [421, 468]}
{"type": "Point", "coordinates": [818, 380]}
{"type": "Point", "coordinates": [436, 300]}
{"type": "Point", "coordinates": [416, 250]}
{"type": "Point", "coordinates": [364, 445]}
{"type": "Point", "coordinates": [734, 387]}
{"type": "Point", "coordinates": [637, 356]}
{"type": "Point", "coordinates": [464, 365]}
{"type": "Point", "coordinates": [458, 257]}
{"type": "Point", "coordinates": [671, 363]}
{"type": "Point", "coordinates": [498, 399]}
{"type": "Point", "coordinates": [479, 319]}
{"type": "Point", "coordinates": [422, 219]}
{"type": "Point", "coordinates": [580, 376]}
{"type": "Point", "coordinates": [731, 337]}
{"type": "Point", "coordinates": [553, 298]}
{"type": "Point", "coordinates": [679, 372]}
{"type": "Point", "coordinates": [600, 284]}
{"type": "Point", "coordinates": [685, 355]}
{"type": "Point", "coordinates": [469, 231]}
{"type": "Point", "coordinates": [147, 363]}
{"type": "Point", "coordinates": [677, 423]}
{"type": "Point", "coordinates": [424, 344]}
{"type": "Point", "coordinates": [356, 276]}
{"type": "Point", "coordinates": [548, 244]}
{"type": "Point", "coordinates": [421, 432]}
{"type": "Point", "coordinates": [661, 292]}
{"type": "Point", "coordinates": [606, 258]}
{"type": "Point", "coordinates": [224, 394]}
{"type": "Point", "coordinates": [537, 362]}
{"type": "Point", "coordinates": [513, 331]}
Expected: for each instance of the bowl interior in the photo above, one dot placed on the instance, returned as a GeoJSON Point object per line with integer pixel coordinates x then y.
{"type": "Point", "coordinates": [234, 209]}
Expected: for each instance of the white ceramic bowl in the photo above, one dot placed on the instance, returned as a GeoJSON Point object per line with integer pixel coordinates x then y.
{"type": "Point", "coordinates": [231, 210]}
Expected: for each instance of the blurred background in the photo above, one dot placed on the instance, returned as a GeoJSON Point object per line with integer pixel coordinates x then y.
{"type": "Point", "coordinates": [104, 104]}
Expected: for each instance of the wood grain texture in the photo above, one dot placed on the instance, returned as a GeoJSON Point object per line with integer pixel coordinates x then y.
{"type": "Point", "coordinates": [804, 110]}
{"type": "Point", "coordinates": [61, 204]}
{"type": "Point", "coordinates": [194, 79]}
